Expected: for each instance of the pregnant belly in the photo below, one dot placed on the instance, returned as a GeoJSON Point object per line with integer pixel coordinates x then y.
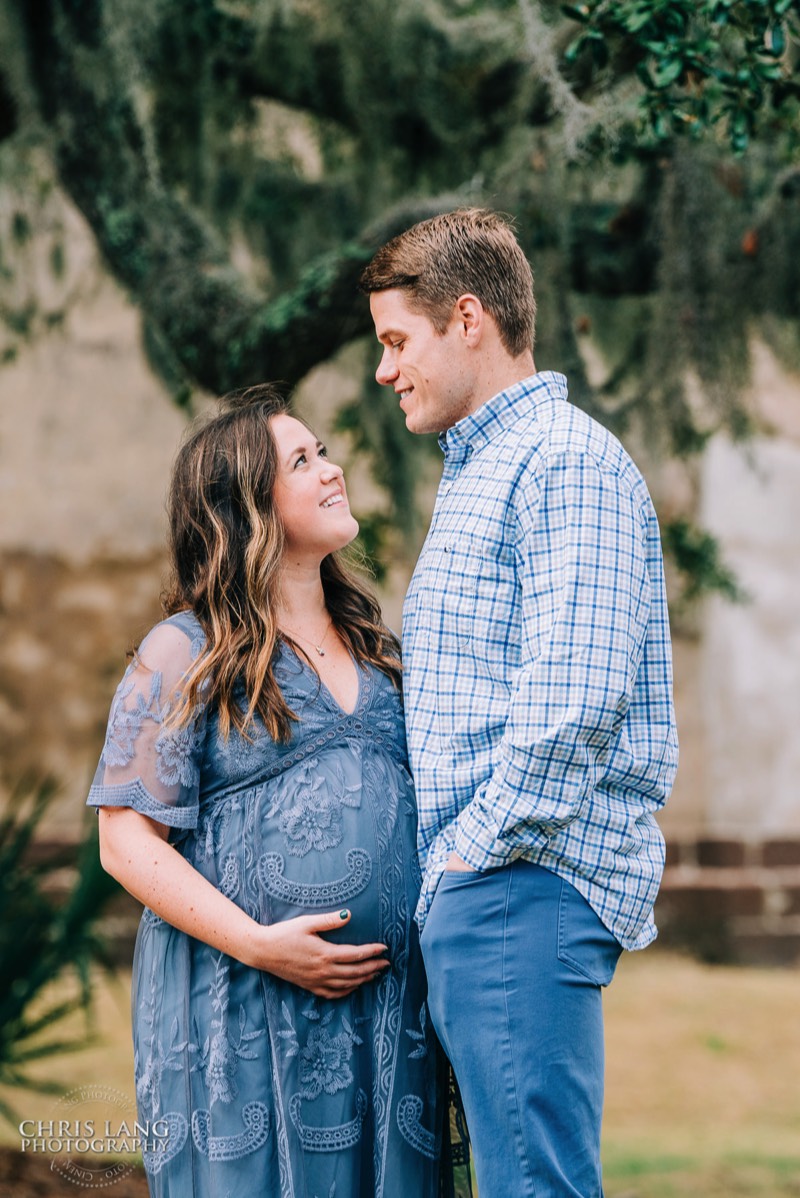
{"type": "Point", "coordinates": [334, 835]}
{"type": "Point", "coordinates": [323, 882]}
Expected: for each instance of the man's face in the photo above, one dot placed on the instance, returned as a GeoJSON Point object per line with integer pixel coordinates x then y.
{"type": "Point", "coordinates": [429, 371]}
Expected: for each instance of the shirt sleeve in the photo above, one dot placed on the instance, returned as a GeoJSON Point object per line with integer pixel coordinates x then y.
{"type": "Point", "coordinates": [147, 764]}
{"type": "Point", "coordinates": [586, 591]}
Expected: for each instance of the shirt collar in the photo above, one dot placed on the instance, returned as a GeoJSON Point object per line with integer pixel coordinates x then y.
{"type": "Point", "coordinates": [499, 413]}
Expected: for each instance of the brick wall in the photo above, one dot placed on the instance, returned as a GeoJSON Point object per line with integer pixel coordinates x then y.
{"type": "Point", "coordinates": [733, 900]}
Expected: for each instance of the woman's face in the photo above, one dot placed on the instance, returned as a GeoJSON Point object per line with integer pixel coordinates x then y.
{"type": "Point", "coordinates": [309, 494]}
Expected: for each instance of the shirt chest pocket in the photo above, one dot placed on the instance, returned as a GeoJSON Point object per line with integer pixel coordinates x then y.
{"type": "Point", "coordinates": [466, 602]}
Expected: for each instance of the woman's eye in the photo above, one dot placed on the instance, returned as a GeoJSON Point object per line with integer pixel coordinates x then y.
{"type": "Point", "coordinates": [300, 460]}
{"type": "Point", "coordinates": [323, 451]}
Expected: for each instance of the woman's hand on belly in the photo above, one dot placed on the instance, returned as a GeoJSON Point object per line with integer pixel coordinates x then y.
{"type": "Point", "coordinates": [295, 951]}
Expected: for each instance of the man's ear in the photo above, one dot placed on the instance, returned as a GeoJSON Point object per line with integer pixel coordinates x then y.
{"type": "Point", "coordinates": [471, 316]}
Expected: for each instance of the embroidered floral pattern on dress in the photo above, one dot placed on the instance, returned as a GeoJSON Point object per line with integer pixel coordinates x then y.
{"type": "Point", "coordinates": [420, 1038]}
{"type": "Point", "coordinates": [324, 1061]}
{"type": "Point", "coordinates": [175, 749]}
{"type": "Point", "coordinates": [319, 1056]}
{"type": "Point", "coordinates": [383, 723]}
{"type": "Point", "coordinates": [236, 751]}
{"type": "Point", "coordinates": [212, 828]}
{"type": "Point", "coordinates": [219, 1054]}
{"type": "Point", "coordinates": [220, 1069]}
{"type": "Point", "coordinates": [149, 1072]}
{"type": "Point", "coordinates": [313, 823]}
{"type": "Point", "coordinates": [125, 723]}
{"type": "Point", "coordinates": [176, 758]}
{"type": "Point", "coordinates": [348, 793]}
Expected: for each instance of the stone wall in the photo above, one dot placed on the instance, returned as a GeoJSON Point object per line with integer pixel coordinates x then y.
{"type": "Point", "coordinates": [87, 433]}
{"type": "Point", "coordinates": [732, 886]}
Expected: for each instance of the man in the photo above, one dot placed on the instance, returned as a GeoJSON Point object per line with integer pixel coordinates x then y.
{"type": "Point", "coordinates": [538, 697]}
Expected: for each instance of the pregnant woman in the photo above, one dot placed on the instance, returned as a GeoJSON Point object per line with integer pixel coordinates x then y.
{"type": "Point", "coordinates": [253, 794]}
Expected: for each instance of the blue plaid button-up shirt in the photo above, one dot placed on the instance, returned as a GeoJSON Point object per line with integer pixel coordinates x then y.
{"type": "Point", "coordinates": [538, 666]}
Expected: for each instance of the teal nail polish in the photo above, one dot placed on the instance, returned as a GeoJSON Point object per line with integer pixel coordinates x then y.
{"type": "Point", "coordinates": [343, 914]}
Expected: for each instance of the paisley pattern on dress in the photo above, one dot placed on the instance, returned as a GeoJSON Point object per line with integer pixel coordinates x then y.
{"type": "Point", "coordinates": [255, 1117]}
{"type": "Point", "coordinates": [263, 1087]}
{"type": "Point", "coordinates": [409, 1120]}
{"type": "Point", "coordinates": [329, 1139]}
{"type": "Point", "coordinates": [174, 1130]}
{"type": "Point", "coordinates": [316, 895]}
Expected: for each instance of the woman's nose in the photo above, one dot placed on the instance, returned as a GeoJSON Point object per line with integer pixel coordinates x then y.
{"type": "Point", "coordinates": [330, 470]}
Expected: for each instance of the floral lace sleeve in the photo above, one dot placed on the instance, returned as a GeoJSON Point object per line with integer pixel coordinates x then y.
{"type": "Point", "coordinates": [145, 765]}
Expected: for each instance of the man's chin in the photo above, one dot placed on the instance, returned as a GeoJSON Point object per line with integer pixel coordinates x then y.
{"type": "Point", "coordinates": [416, 424]}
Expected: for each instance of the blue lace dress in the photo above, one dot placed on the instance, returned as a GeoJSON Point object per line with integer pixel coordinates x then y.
{"type": "Point", "coordinates": [247, 1085]}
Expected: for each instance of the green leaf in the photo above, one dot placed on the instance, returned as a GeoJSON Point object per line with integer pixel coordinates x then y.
{"type": "Point", "coordinates": [697, 555]}
{"type": "Point", "coordinates": [770, 71]}
{"type": "Point", "coordinates": [667, 72]}
{"type": "Point", "coordinates": [637, 20]}
{"type": "Point", "coordinates": [777, 40]}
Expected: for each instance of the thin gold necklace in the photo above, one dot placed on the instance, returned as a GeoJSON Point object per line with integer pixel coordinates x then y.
{"type": "Point", "coordinates": [318, 647]}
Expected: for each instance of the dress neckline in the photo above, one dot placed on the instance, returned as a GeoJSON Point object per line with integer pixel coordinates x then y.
{"type": "Point", "coordinates": [308, 668]}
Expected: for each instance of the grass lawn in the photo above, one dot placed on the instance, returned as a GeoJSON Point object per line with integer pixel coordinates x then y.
{"type": "Point", "coordinates": [702, 1090]}
{"type": "Point", "coordinates": [702, 1080]}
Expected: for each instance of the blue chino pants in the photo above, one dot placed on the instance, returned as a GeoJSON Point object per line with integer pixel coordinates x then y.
{"type": "Point", "coordinates": [516, 958]}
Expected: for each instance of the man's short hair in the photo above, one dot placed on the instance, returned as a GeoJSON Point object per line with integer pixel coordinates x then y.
{"type": "Point", "coordinates": [471, 250]}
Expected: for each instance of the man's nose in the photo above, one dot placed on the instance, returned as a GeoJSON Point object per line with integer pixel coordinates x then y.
{"type": "Point", "coordinates": [387, 368]}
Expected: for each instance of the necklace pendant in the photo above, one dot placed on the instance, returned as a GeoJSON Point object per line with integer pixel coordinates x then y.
{"type": "Point", "coordinates": [320, 651]}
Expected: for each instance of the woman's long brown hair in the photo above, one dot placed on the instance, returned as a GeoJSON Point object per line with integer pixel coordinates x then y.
{"type": "Point", "coordinates": [226, 546]}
